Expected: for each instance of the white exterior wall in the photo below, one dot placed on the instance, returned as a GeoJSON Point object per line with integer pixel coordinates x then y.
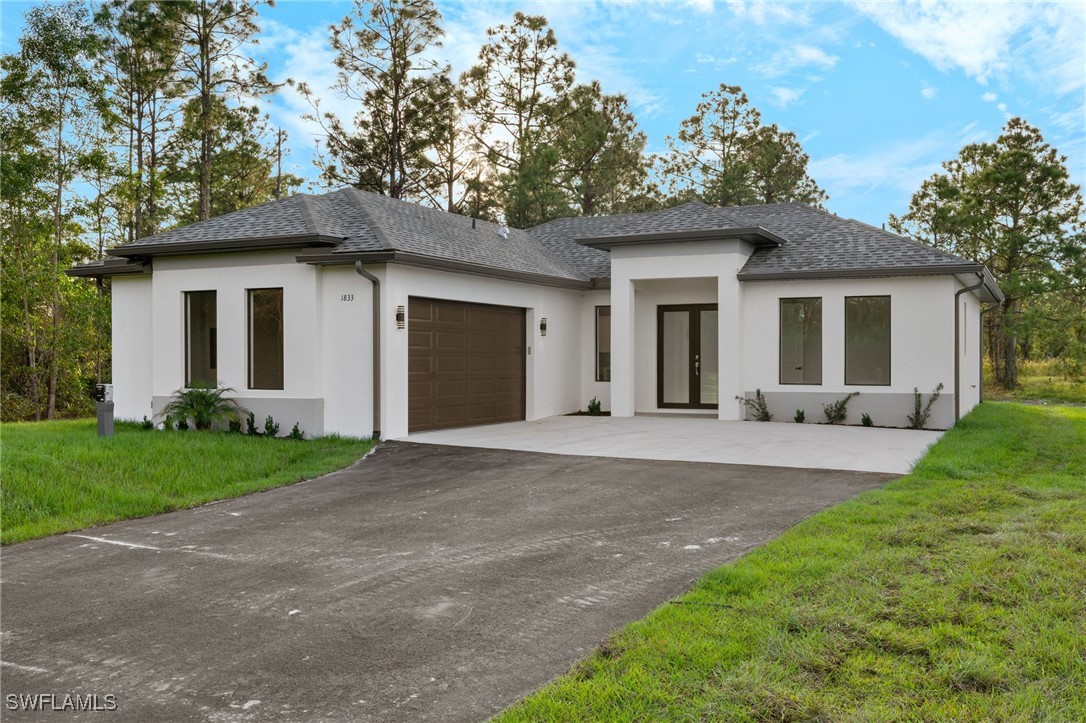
{"type": "Point", "coordinates": [230, 276]}
{"type": "Point", "coordinates": [969, 308]}
{"type": "Point", "coordinates": [554, 362]}
{"type": "Point", "coordinates": [347, 321]}
{"type": "Point", "coordinates": [133, 365]}
{"type": "Point", "coordinates": [921, 347]}
{"type": "Point", "coordinates": [633, 315]}
{"type": "Point", "coordinates": [589, 386]}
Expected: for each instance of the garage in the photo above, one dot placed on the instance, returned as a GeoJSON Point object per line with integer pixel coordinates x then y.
{"type": "Point", "coordinates": [465, 364]}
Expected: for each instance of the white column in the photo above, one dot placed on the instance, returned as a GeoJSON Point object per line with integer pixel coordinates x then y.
{"type": "Point", "coordinates": [622, 347]}
{"type": "Point", "coordinates": [730, 341]}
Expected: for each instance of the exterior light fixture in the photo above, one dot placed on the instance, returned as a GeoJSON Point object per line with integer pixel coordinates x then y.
{"type": "Point", "coordinates": [401, 318]}
{"type": "Point", "coordinates": [543, 326]}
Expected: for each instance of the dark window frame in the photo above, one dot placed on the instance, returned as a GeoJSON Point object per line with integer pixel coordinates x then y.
{"type": "Point", "coordinates": [889, 339]}
{"type": "Point", "coordinates": [780, 340]}
{"type": "Point", "coordinates": [596, 356]}
{"type": "Point", "coordinates": [187, 333]}
{"type": "Point", "coordinates": [249, 338]}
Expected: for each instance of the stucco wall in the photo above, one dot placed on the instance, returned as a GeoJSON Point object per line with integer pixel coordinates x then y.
{"type": "Point", "coordinates": [589, 386]}
{"type": "Point", "coordinates": [921, 347]}
{"type": "Point", "coordinates": [133, 366]}
{"type": "Point", "coordinates": [347, 322]}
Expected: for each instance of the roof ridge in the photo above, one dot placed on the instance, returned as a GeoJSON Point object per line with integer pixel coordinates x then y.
{"type": "Point", "coordinates": [353, 195]}
{"type": "Point", "coordinates": [309, 216]}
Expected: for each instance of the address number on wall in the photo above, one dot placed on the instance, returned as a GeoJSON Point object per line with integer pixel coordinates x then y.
{"type": "Point", "coordinates": [346, 297]}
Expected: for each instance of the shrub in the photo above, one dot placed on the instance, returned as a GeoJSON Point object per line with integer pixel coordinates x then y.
{"type": "Point", "coordinates": [271, 428]}
{"type": "Point", "coordinates": [919, 418]}
{"type": "Point", "coordinates": [800, 417]}
{"type": "Point", "coordinates": [235, 425]}
{"type": "Point", "coordinates": [203, 404]}
{"type": "Point", "coordinates": [250, 424]}
{"type": "Point", "coordinates": [296, 432]}
{"type": "Point", "coordinates": [865, 419]}
{"type": "Point", "coordinates": [167, 424]}
{"type": "Point", "coordinates": [594, 407]}
{"type": "Point", "coordinates": [146, 423]}
{"type": "Point", "coordinates": [757, 407]}
{"type": "Point", "coordinates": [182, 425]}
{"type": "Point", "coordinates": [837, 412]}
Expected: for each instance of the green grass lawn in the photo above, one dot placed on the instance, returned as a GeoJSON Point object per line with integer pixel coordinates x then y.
{"type": "Point", "coordinates": [1040, 381]}
{"type": "Point", "coordinates": [955, 593]}
{"type": "Point", "coordinates": [60, 476]}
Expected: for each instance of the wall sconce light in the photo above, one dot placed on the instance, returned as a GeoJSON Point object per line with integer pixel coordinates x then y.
{"type": "Point", "coordinates": [543, 326]}
{"type": "Point", "coordinates": [401, 319]}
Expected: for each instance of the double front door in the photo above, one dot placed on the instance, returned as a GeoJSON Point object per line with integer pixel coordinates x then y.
{"type": "Point", "coordinates": [687, 375]}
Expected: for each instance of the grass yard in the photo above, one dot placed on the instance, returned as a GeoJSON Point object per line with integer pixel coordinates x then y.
{"type": "Point", "coordinates": [59, 476]}
{"type": "Point", "coordinates": [1047, 381]}
{"type": "Point", "coordinates": [955, 593]}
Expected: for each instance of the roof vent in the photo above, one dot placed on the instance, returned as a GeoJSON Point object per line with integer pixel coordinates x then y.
{"type": "Point", "coordinates": [503, 231]}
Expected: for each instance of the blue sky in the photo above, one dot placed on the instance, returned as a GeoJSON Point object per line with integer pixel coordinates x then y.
{"type": "Point", "coordinates": [878, 93]}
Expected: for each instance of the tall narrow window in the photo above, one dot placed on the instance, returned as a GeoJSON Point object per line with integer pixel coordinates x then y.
{"type": "Point", "coordinates": [801, 341]}
{"type": "Point", "coordinates": [201, 342]}
{"type": "Point", "coordinates": [603, 343]}
{"type": "Point", "coordinates": [265, 338]}
{"type": "Point", "coordinates": [867, 340]}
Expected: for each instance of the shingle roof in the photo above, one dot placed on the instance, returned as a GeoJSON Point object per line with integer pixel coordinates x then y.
{"type": "Point", "coordinates": [354, 222]}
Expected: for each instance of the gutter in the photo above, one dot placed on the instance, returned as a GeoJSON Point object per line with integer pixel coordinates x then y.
{"type": "Point", "coordinates": [360, 269]}
{"type": "Point", "coordinates": [957, 346]}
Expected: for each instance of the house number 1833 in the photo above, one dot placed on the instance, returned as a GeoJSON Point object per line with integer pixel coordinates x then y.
{"type": "Point", "coordinates": [346, 297]}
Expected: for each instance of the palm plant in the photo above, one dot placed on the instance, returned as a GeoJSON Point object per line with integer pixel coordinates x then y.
{"type": "Point", "coordinates": [203, 403]}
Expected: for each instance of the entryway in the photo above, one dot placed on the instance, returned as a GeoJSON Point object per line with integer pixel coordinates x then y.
{"type": "Point", "coordinates": [687, 367]}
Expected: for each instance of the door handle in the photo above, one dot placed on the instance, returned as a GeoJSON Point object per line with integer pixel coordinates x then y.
{"type": "Point", "coordinates": [697, 365]}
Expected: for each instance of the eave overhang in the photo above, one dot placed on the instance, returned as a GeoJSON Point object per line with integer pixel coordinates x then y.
{"type": "Point", "coordinates": [230, 245]}
{"type": "Point", "coordinates": [753, 235]}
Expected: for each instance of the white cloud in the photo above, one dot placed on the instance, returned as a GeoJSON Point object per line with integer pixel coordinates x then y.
{"type": "Point", "coordinates": [928, 93]}
{"type": "Point", "coordinates": [762, 12]}
{"type": "Point", "coordinates": [716, 62]}
{"type": "Point", "coordinates": [784, 97]}
{"type": "Point", "coordinates": [794, 57]}
{"type": "Point", "coordinates": [989, 97]}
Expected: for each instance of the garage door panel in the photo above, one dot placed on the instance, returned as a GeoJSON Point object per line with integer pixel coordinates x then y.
{"type": "Point", "coordinates": [466, 365]}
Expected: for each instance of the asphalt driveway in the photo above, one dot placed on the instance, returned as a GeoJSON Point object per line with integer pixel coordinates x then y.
{"type": "Point", "coordinates": [425, 582]}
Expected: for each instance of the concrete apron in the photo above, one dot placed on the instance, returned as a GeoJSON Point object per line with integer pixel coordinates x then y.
{"type": "Point", "coordinates": [811, 446]}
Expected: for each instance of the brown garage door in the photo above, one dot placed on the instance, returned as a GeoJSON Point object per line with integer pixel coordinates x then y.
{"type": "Point", "coordinates": [465, 364]}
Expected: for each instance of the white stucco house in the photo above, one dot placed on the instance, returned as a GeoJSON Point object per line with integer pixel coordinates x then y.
{"type": "Point", "coordinates": [356, 314]}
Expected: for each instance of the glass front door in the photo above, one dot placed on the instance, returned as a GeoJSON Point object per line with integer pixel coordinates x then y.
{"type": "Point", "coordinates": [687, 361]}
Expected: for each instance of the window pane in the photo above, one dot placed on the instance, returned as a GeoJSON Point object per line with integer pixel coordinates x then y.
{"type": "Point", "coordinates": [603, 343]}
{"type": "Point", "coordinates": [801, 341]}
{"type": "Point", "coordinates": [675, 355]}
{"type": "Point", "coordinates": [201, 344]}
{"type": "Point", "coordinates": [867, 340]}
{"type": "Point", "coordinates": [265, 338]}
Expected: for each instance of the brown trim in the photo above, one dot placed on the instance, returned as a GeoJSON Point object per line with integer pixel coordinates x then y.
{"type": "Point", "coordinates": [755, 235]}
{"type": "Point", "coordinates": [780, 341]}
{"type": "Point", "coordinates": [183, 248]}
{"type": "Point", "coordinates": [433, 262]}
{"type": "Point", "coordinates": [695, 343]}
{"type": "Point", "coordinates": [890, 341]}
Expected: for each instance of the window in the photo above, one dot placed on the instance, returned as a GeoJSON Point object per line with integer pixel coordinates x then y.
{"type": "Point", "coordinates": [603, 343]}
{"type": "Point", "coordinates": [867, 340]}
{"type": "Point", "coordinates": [201, 342]}
{"type": "Point", "coordinates": [265, 338]}
{"type": "Point", "coordinates": [801, 341]}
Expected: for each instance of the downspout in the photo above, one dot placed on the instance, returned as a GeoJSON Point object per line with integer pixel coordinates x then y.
{"type": "Point", "coordinates": [980, 347]}
{"type": "Point", "coordinates": [957, 347]}
{"type": "Point", "coordinates": [360, 269]}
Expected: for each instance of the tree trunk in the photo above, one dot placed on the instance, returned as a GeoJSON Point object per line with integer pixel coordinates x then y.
{"type": "Point", "coordinates": [205, 114]}
{"type": "Point", "coordinates": [58, 228]}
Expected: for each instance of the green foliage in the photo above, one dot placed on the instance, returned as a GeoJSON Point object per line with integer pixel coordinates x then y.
{"type": "Point", "coordinates": [757, 407]}
{"type": "Point", "coordinates": [940, 596]}
{"type": "Point", "coordinates": [723, 155]}
{"type": "Point", "coordinates": [922, 412]}
{"type": "Point", "coordinates": [296, 433]}
{"type": "Point", "coordinates": [271, 427]}
{"type": "Point", "coordinates": [147, 424]}
{"type": "Point", "coordinates": [837, 412]}
{"type": "Point", "coordinates": [234, 425]}
{"type": "Point", "coordinates": [203, 403]}
{"type": "Point", "coordinates": [865, 420]}
{"type": "Point", "coordinates": [60, 476]}
{"type": "Point", "coordinates": [801, 416]}
{"type": "Point", "coordinates": [182, 424]}
{"type": "Point", "coordinates": [594, 407]}
{"type": "Point", "coordinates": [250, 425]}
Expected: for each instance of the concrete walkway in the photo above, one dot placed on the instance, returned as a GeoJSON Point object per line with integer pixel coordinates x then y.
{"type": "Point", "coordinates": [811, 446]}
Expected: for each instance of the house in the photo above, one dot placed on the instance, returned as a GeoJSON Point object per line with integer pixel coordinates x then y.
{"type": "Point", "coordinates": [355, 314]}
